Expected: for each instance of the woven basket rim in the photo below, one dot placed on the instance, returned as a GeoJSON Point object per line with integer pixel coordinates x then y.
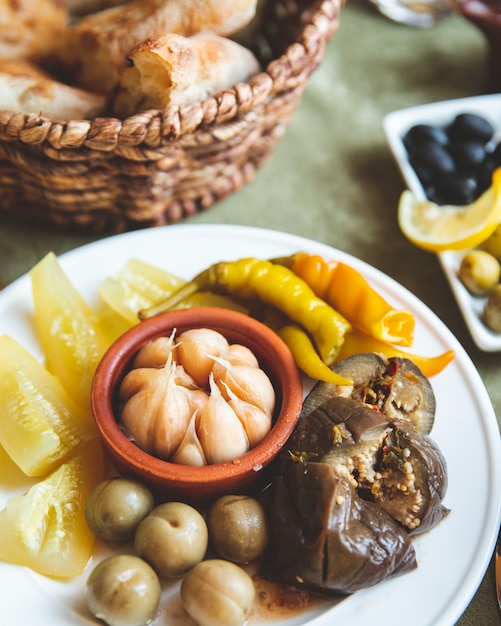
{"type": "Point", "coordinates": [154, 126]}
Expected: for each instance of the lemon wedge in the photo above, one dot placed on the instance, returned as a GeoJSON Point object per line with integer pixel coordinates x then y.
{"type": "Point", "coordinates": [437, 228]}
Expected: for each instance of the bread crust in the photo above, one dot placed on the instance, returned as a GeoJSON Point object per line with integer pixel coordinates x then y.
{"type": "Point", "coordinates": [83, 7]}
{"type": "Point", "coordinates": [95, 48]}
{"type": "Point", "coordinates": [180, 70]}
{"type": "Point", "coordinates": [31, 30]}
{"type": "Point", "coordinates": [26, 88]}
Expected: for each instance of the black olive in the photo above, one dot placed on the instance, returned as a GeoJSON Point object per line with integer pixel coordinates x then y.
{"type": "Point", "coordinates": [433, 156]}
{"type": "Point", "coordinates": [455, 190]}
{"type": "Point", "coordinates": [425, 176]}
{"type": "Point", "coordinates": [454, 162]}
{"type": "Point", "coordinates": [432, 195]}
{"type": "Point", "coordinates": [470, 126]}
{"type": "Point", "coordinates": [468, 155]}
{"type": "Point", "coordinates": [424, 133]}
{"type": "Point", "coordinates": [496, 154]}
{"type": "Point", "coordinates": [484, 176]}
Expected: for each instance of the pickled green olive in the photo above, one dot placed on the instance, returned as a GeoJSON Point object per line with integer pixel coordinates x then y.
{"type": "Point", "coordinates": [492, 244]}
{"type": "Point", "coordinates": [492, 309]}
{"type": "Point", "coordinates": [123, 590]}
{"type": "Point", "coordinates": [238, 528]}
{"type": "Point", "coordinates": [115, 508]}
{"type": "Point", "coordinates": [479, 271]}
{"type": "Point", "coordinates": [173, 538]}
{"type": "Point", "coordinates": [218, 593]}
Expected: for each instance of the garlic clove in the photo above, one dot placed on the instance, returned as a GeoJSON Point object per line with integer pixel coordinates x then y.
{"type": "Point", "coordinates": [184, 379]}
{"type": "Point", "coordinates": [190, 451]}
{"type": "Point", "coordinates": [256, 422]}
{"type": "Point", "coordinates": [156, 352]}
{"type": "Point", "coordinates": [241, 355]}
{"type": "Point", "coordinates": [135, 380]}
{"type": "Point", "coordinates": [194, 350]}
{"type": "Point", "coordinates": [138, 416]}
{"type": "Point", "coordinates": [250, 384]}
{"type": "Point", "coordinates": [220, 432]}
{"type": "Point", "coordinates": [158, 415]}
{"type": "Point", "coordinates": [196, 397]}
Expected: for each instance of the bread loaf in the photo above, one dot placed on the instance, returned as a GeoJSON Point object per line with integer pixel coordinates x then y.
{"type": "Point", "coordinates": [179, 70]}
{"type": "Point", "coordinates": [94, 49]}
{"type": "Point", "coordinates": [31, 29]}
{"type": "Point", "coordinates": [82, 7]}
{"type": "Point", "coordinates": [26, 88]}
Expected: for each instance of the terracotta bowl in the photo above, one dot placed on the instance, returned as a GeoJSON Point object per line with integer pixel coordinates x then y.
{"type": "Point", "coordinates": [247, 473]}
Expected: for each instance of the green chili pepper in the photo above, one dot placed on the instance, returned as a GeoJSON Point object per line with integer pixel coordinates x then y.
{"type": "Point", "coordinates": [275, 285]}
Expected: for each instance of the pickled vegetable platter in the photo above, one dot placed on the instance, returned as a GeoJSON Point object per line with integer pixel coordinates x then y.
{"type": "Point", "coordinates": [441, 115]}
{"type": "Point", "coordinates": [187, 250]}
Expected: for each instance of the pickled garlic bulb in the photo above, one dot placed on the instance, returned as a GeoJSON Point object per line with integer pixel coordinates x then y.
{"type": "Point", "coordinates": [241, 355]}
{"type": "Point", "coordinates": [256, 422]}
{"type": "Point", "coordinates": [221, 433]}
{"type": "Point", "coordinates": [158, 414]}
{"type": "Point", "coordinates": [249, 383]}
{"type": "Point", "coordinates": [196, 399]}
{"type": "Point", "coordinates": [156, 352]}
{"type": "Point", "coordinates": [190, 451]}
{"type": "Point", "coordinates": [195, 349]}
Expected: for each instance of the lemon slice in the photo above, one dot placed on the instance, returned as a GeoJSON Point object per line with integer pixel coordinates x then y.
{"type": "Point", "coordinates": [437, 228]}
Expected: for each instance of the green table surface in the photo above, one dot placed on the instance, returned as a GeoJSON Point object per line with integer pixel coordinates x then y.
{"type": "Point", "coordinates": [332, 178]}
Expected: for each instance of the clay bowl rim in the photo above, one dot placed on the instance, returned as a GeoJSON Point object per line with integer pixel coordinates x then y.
{"type": "Point", "coordinates": [238, 328]}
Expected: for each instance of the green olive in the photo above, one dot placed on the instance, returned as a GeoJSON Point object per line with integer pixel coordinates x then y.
{"type": "Point", "coordinates": [218, 593]}
{"type": "Point", "coordinates": [493, 243]}
{"type": "Point", "coordinates": [115, 508]}
{"type": "Point", "coordinates": [492, 309]}
{"type": "Point", "coordinates": [479, 271]}
{"type": "Point", "coordinates": [123, 590]}
{"type": "Point", "coordinates": [238, 528]}
{"type": "Point", "coordinates": [172, 539]}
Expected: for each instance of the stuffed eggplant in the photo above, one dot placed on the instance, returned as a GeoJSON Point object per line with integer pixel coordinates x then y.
{"type": "Point", "coordinates": [413, 479]}
{"type": "Point", "coordinates": [327, 539]}
{"type": "Point", "coordinates": [387, 461]}
{"type": "Point", "coordinates": [396, 386]}
{"type": "Point", "coordinates": [352, 488]}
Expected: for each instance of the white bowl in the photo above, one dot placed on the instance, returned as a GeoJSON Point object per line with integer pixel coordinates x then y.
{"type": "Point", "coordinates": [396, 125]}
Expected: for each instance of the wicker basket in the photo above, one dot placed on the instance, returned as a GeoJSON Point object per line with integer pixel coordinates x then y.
{"type": "Point", "coordinates": [158, 167]}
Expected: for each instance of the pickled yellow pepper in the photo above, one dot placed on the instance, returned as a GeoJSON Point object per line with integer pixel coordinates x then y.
{"type": "Point", "coordinates": [347, 291]}
{"type": "Point", "coordinates": [306, 357]}
{"type": "Point", "coordinates": [275, 285]}
{"type": "Point", "coordinates": [299, 343]}
{"type": "Point", "coordinates": [357, 341]}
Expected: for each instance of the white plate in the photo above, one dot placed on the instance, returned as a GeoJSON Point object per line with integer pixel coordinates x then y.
{"type": "Point", "coordinates": [396, 125]}
{"type": "Point", "coordinates": [452, 558]}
